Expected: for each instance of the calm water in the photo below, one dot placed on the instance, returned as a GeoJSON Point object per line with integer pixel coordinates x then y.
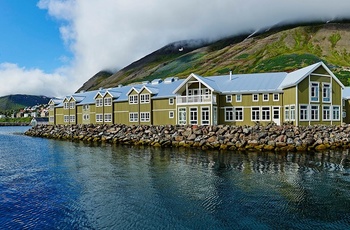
{"type": "Point", "coordinates": [48, 184]}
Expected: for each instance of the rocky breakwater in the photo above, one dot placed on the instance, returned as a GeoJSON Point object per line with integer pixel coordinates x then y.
{"type": "Point", "coordinates": [224, 137]}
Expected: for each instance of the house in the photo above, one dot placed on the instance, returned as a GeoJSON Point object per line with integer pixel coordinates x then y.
{"type": "Point", "coordinates": [308, 96]}
{"type": "Point", "coordinates": [39, 121]}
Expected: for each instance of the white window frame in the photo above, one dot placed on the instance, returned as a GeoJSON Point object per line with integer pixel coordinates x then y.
{"type": "Point", "coordinates": [326, 112]}
{"type": "Point", "coordinates": [314, 91]}
{"type": "Point", "coordinates": [292, 113]}
{"type": "Point", "coordinates": [133, 99]}
{"type": "Point", "coordinates": [314, 112]}
{"type": "Point", "coordinates": [266, 113]}
{"type": "Point", "coordinates": [72, 118]}
{"type": "Point", "coordinates": [107, 101]}
{"type": "Point", "coordinates": [86, 117]}
{"type": "Point", "coordinates": [99, 102]}
{"type": "Point", "coordinates": [108, 117]}
{"type": "Point", "coordinates": [205, 115]}
{"type": "Point", "coordinates": [239, 114]}
{"type": "Point", "coordinates": [171, 114]}
{"type": "Point", "coordinates": [66, 118]}
{"type": "Point", "coordinates": [182, 116]}
{"type": "Point", "coordinates": [99, 117]}
{"type": "Point", "coordinates": [326, 92]}
{"type": "Point", "coordinates": [72, 105]}
{"type": "Point", "coordinates": [239, 98]}
{"type": "Point", "coordinates": [255, 113]}
{"type": "Point", "coordinates": [255, 99]}
{"type": "Point", "coordinates": [85, 107]}
{"type": "Point", "coordinates": [265, 97]}
{"type": "Point", "coordinates": [229, 114]}
{"type": "Point", "coordinates": [144, 98]}
{"type": "Point", "coordinates": [336, 113]}
{"type": "Point", "coordinates": [276, 97]}
{"type": "Point", "coordinates": [287, 113]}
{"type": "Point", "coordinates": [228, 98]}
{"type": "Point", "coordinates": [171, 101]}
{"type": "Point", "coordinates": [133, 117]}
{"type": "Point", "coordinates": [193, 115]}
{"type": "Point", "coordinates": [304, 112]}
{"type": "Point", "coordinates": [66, 105]}
{"type": "Point", "coordinates": [145, 117]}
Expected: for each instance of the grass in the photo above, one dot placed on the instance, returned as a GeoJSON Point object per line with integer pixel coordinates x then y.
{"type": "Point", "coordinates": [16, 120]}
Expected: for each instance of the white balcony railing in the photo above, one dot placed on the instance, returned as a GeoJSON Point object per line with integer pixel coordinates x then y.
{"type": "Point", "coordinates": [196, 99]}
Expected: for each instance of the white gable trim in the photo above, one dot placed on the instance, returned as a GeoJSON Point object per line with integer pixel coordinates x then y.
{"type": "Point", "coordinates": [133, 88]}
{"type": "Point", "coordinates": [192, 75]}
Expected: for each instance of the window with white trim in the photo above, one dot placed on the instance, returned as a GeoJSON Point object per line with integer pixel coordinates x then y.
{"type": "Point", "coordinates": [144, 117]}
{"type": "Point", "coordinates": [52, 107]}
{"type": "Point", "coordinates": [205, 116]}
{"type": "Point", "coordinates": [255, 97]}
{"type": "Point", "coordinates": [193, 116]}
{"type": "Point", "coordinates": [99, 117]}
{"type": "Point", "coordinates": [144, 98]}
{"type": "Point", "coordinates": [66, 118]}
{"type": "Point", "coordinates": [314, 112]}
{"type": "Point", "coordinates": [265, 114]}
{"type": "Point", "coordinates": [239, 114]}
{"type": "Point", "coordinates": [66, 105]}
{"type": "Point", "coordinates": [286, 113]}
{"type": "Point", "coordinates": [72, 105]}
{"type": "Point", "coordinates": [276, 97]}
{"type": "Point", "coordinates": [326, 113]}
{"type": "Point", "coordinates": [292, 112]}
{"type": "Point", "coordinates": [304, 115]}
{"type": "Point", "coordinates": [108, 117]}
{"type": "Point", "coordinates": [228, 98]}
{"type": "Point", "coordinates": [326, 92]}
{"type": "Point", "coordinates": [239, 98]}
{"type": "Point", "coordinates": [336, 112]}
{"type": "Point", "coordinates": [86, 117]}
{"type": "Point", "coordinates": [72, 118]}
{"type": "Point", "coordinates": [51, 119]}
{"type": "Point", "coordinates": [133, 117]}
{"type": "Point", "coordinates": [182, 116]}
{"type": "Point", "coordinates": [171, 114]}
{"type": "Point", "coordinates": [99, 102]}
{"type": "Point", "coordinates": [229, 114]}
{"type": "Point", "coordinates": [255, 113]}
{"type": "Point", "coordinates": [85, 107]}
{"type": "Point", "coordinates": [314, 91]}
{"type": "Point", "coordinates": [171, 101]}
{"type": "Point", "coordinates": [265, 97]}
{"type": "Point", "coordinates": [108, 101]}
{"type": "Point", "coordinates": [133, 99]}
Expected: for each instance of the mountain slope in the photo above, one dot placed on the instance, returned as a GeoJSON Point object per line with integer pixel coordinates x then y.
{"type": "Point", "coordinates": [18, 101]}
{"type": "Point", "coordinates": [278, 50]}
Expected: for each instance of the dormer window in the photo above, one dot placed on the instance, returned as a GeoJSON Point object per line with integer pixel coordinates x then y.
{"type": "Point", "coordinates": [108, 101]}
{"type": "Point", "coordinates": [133, 99]}
{"type": "Point", "coordinates": [66, 105]}
{"type": "Point", "coordinates": [72, 105]}
{"type": "Point", "coordinates": [99, 102]}
{"type": "Point", "coordinates": [144, 98]}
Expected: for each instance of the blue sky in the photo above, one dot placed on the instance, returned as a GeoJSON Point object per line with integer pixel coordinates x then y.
{"type": "Point", "coordinates": [51, 47]}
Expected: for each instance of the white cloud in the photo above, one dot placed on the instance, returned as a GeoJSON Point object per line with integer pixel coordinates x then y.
{"type": "Point", "coordinates": [110, 34]}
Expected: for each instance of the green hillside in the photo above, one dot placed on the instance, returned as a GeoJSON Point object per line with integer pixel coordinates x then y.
{"type": "Point", "coordinates": [19, 101]}
{"type": "Point", "coordinates": [278, 50]}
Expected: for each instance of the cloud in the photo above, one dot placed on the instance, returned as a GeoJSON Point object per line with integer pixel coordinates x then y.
{"type": "Point", "coordinates": [110, 34]}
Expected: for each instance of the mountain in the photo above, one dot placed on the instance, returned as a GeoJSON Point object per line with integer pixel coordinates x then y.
{"type": "Point", "coordinates": [273, 49]}
{"type": "Point", "coordinates": [19, 101]}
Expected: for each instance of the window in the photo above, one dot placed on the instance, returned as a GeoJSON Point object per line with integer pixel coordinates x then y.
{"type": "Point", "coordinates": [144, 98]}
{"type": "Point", "coordinates": [98, 102]}
{"type": "Point", "coordinates": [314, 112]}
{"type": "Point", "coordinates": [133, 99]}
{"type": "Point", "coordinates": [255, 97]}
{"type": "Point", "coordinates": [336, 113]}
{"type": "Point", "coordinates": [144, 117]}
{"type": "Point", "coordinates": [133, 117]}
{"type": "Point", "coordinates": [99, 118]}
{"type": "Point", "coordinates": [206, 93]}
{"type": "Point", "coordinates": [52, 107]}
{"type": "Point", "coordinates": [228, 98]}
{"type": "Point", "coordinates": [286, 113]}
{"type": "Point", "coordinates": [66, 106]}
{"type": "Point", "coordinates": [86, 117]}
{"type": "Point", "coordinates": [85, 107]}
{"type": "Point", "coordinates": [239, 98]}
{"type": "Point", "coordinates": [182, 116]}
{"type": "Point", "coordinates": [326, 113]}
{"type": "Point", "coordinates": [255, 113]}
{"type": "Point", "coordinates": [171, 101]}
{"type": "Point", "coordinates": [228, 114]}
{"type": "Point", "coordinates": [239, 114]}
{"type": "Point", "coordinates": [276, 97]}
{"type": "Point", "coordinates": [108, 117]}
{"type": "Point", "coordinates": [51, 119]}
{"type": "Point", "coordinates": [314, 91]}
{"type": "Point", "coordinates": [72, 105]}
{"type": "Point", "coordinates": [171, 114]}
{"type": "Point", "coordinates": [108, 101]}
{"type": "Point", "coordinates": [304, 112]}
{"type": "Point", "coordinates": [265, 97]}
{"type": "Point", "coordinates": [326, 92]}
{"type": "Point", "coordinates": [292, 112]}
{"type": "Point", "coordinates": [193, 116]}
{"type": "Point", "coordinates": [205, 115]}
{"type": "Point", "coordinates": [265, 114]}
{"type": "Point", "coordinates": [72, 118]}
{"type": "Point", "coordinates": [66, 118]}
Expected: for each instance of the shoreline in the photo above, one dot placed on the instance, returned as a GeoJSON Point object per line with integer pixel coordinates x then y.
{"type": "Point", "coordinates": [271, 138]}
{"type": "Point", "coordinates": [14, 124]}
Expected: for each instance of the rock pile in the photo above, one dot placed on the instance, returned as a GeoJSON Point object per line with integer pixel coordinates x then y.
{"type": "Point", "coordinates": [243, 138]}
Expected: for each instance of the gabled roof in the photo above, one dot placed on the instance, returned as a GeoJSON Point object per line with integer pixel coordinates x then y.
{"type": "Point", "coordinates": [151, 90]}
{"type": "Point", "coordinates": [204, 80]}
{"type": "Point", "coordinates": [136, 88]}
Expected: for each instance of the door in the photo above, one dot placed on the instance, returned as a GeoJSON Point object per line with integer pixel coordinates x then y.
{"type": "Point", "coordinates": [276, 115]}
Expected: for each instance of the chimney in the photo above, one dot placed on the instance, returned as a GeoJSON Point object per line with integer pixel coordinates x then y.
{"type": "Point", "coordinates": [230, 75]}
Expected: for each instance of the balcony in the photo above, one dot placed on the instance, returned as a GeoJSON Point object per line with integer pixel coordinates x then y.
{"type": "Point", "coordinates": [196, 99]}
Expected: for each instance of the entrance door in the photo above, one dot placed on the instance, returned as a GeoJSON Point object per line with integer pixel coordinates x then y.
{"type": "Point", "coordinates": [276, 115]}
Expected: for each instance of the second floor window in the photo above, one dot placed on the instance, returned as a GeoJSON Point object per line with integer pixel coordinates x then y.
{"type": "Point", "coordinates": [99, 102]}
{"type": "Point", "coordinates": [144, 98]}
{"type": "Point", "coordinates": [108, 101]}
{"type": "Point", "coordinates": [314, 91]}
{"type": "Point", "coordinates": [133, 99]}
{"type": "Point", "coordinates": [326, 92]}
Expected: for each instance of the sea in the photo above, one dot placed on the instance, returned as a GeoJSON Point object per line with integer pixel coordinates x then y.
{"type": "Point", "coordinates": [52, 184]}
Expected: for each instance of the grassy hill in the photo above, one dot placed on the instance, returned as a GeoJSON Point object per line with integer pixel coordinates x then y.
{"type": "Point", "coordinates": [281, 49]}
{"type": "Point", "coordinates": [18, 101]}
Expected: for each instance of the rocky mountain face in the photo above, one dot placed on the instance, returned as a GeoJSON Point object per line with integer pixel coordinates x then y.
{"type": "Point", "coordinates": [280, 49]}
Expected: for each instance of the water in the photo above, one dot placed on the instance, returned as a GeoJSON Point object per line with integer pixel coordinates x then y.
{"type": "Point", "coordinates": [49, 184]}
